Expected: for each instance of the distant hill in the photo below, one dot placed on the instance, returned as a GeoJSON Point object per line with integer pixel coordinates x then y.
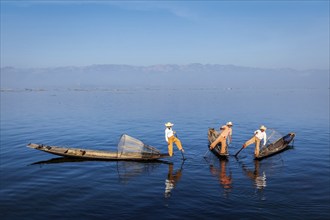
{"type": "Point", "coordinates": [167, 76]}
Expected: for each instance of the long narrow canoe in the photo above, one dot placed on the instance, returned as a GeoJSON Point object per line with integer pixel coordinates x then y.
{"type": "Point", "coordinates": [95, 154]}
{"type": "Point", "coordinates": [212, 135]}
{"type": "Point", "coordinates": [276, 147]}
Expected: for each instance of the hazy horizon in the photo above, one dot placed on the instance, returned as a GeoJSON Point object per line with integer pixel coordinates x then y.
{"type": "Point", "coordinates": [160, 65]}
{"type": "Point", "coordinates": [192, 76]}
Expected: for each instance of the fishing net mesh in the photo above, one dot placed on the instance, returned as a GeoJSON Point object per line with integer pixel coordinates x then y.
{"type": "Point", "coordinates": [128, 144]}
{"type": "Point", "coordinates": [272, 142]}
{"type": "Point", "coordinates": [273, 135]}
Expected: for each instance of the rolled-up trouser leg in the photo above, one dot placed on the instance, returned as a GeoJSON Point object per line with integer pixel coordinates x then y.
{"type": "Point", "coordinates": [178, 143]}
{"type": "Point", "coordinates": [170, 146]}
{"type": "Point", "coordinates": [223, 145]}
{"type": "Point", "coordinates": [251, 141]}
{"type": "Point", "coordinates": [256, 150]}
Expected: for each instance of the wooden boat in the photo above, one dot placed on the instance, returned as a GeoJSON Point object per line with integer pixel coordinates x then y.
{"type": "Point", "coordinates": [128, 149]}
{"type": "Point", "coordinates": [95, 154]}
{"type": "Point", "coordinates": [276, 147]}
{"type": "Point", "coordinates": [80, 160]}
{"type": "Point", "coordinates": [212, 135]}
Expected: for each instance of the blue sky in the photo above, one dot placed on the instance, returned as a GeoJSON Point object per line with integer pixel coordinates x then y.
{"type": "Point", "coordinates": [271, 34]}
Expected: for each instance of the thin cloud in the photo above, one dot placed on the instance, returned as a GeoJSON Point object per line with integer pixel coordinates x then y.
{"type": "Point", "coordinates": [177, 9]}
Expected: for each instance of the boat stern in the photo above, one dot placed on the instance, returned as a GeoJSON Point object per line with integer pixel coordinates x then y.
{"type": "Point", "coordinates": [34, 146]}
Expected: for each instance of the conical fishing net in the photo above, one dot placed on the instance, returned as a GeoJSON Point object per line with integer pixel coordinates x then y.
{"type": "Point", "coordinates": [272, 135]}
{"type": "Point", "coordinates": [128, 145]}
{"type": "Point", "coordinates": [275, 142]}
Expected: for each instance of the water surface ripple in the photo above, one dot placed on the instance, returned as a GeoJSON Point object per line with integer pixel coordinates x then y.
{"type": "Point", "coordinates": [292, 185]}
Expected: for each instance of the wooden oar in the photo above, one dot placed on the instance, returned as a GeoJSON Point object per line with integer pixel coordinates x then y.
{"type": "Point", "coordinates": [207, 151]}
{"type": "Point", "coordinates": [239, 151]}
{"type": "Point", "coordinates": [182, 155]}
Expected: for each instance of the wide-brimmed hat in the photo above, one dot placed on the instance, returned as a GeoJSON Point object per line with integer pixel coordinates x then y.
{"type": "Point", "coordinates": [169, 124]}
{"type": "Point", "coordinates": [262, 127]}
{"type": "Point", "coordinates": [229, 123]}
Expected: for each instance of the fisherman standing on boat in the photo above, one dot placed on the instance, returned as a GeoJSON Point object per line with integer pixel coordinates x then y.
{"type": "Point", "coordinates": [257, 137]}
{"type": "Point", "coordinates": [170, 139]}
{"type": "Point", "coordinates": [226, 132]}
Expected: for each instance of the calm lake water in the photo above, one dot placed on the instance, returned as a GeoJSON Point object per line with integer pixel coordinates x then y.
{"type": "Point", "coordinates": [294, 184]}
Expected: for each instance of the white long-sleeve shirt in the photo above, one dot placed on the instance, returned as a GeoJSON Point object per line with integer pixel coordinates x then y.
{"type": "Point", "coordinates": [261, 135]}
{"type": "Point", "coordinates": [168, 133]}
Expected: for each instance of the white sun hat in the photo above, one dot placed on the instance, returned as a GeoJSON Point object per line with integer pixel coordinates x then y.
{"type": "Point", "coordinates": [169, 124]}
{"type": "Point", "coordinates": [229, 123]}
{"type": "Point", "coordinates": [262, 127]}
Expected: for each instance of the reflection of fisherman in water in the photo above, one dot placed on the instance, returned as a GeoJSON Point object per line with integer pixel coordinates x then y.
{"type": "Point", "coordinates": [224, 179]}
{"type": "Point", "coordinates": [172, 179]}
{"type": "Point", "coordinates": [259, 179]}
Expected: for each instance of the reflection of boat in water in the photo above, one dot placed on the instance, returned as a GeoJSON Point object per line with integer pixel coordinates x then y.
{"type": "Point", "coordinates": [61, 160]}
{"type": "Point", "coordinates": [126, 169]}
{"type": "Point", "coordinates": [129, 148]}
{"type": "Point", "coordinates": [212, 135]}
{"type": "Point", "coordinates": [277, 144]}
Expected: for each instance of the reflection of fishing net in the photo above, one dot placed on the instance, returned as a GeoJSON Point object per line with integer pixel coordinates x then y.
{"type": "Point", "coordinates": [131, 146]}
{"type": "Point", "coordinates": [128, 170]}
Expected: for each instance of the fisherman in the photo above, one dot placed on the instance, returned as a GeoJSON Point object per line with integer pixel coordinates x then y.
{"type": "Point", "coordinates": [257, 137]}
{"type": "Point", "coordinates": [226, 132]}
{"type": "Point", "coordinates": [171, 138]}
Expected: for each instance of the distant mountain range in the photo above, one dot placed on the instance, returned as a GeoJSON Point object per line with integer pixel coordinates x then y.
{"type": "Point", "coordinates": [171, 76]}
